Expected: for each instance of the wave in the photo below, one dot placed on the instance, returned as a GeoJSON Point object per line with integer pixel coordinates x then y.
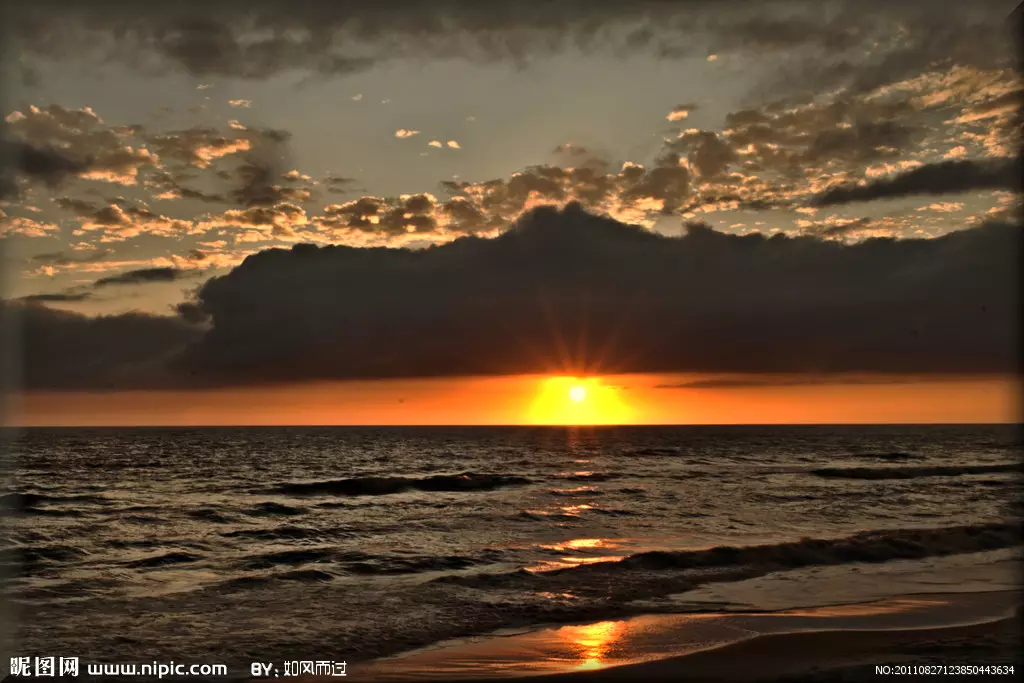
{"type": "Point", "coordinates": [288, 557]}
{"type": "Point", "coordinates": [615, 512]}
{"type": "Point", "coordinates": [361, 563]}
{"type": "Point", "coordinates": [288, 532]}
{"type": "Point", "coordinates": [35, 555]}
{"type": "Point", "coordinates": [28, 501]}
{"type": "Point", "coordinates": [416, 565]}
{"type": "Point", "coordinates": [587, 476]}
{"type": "Point", "coordinates": [577, 491]}
{"type": "Point", "coordinates": [49, 512]}
{"type": "Point", "coordinates": [633, 574]}
{"type": "Point", "coordinates": [209, 515]}
{"type": "Point", "coordinates": [270, 508]}
{"type": "Point", "coordinates": [651, 451]}
{"type": "Point", "coordinates": [894, 456]}
{"type": "Point", "coordinates": [380, 486]}
{"type": "Point", "coordinates": [304, 575]}
{"type": "Point", "coordinates": [912, 472]}
{"type": "Point", "coordinates": [308, 575]}
{"type": "Point", "coordinates": [164, 560]}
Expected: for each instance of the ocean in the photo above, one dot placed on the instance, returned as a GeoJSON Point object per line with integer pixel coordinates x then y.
{"type": "Point", "coordinates": [235, 545]}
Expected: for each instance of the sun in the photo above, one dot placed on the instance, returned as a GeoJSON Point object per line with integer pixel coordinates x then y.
{"type": "Point", "coordinates": [578, 401]}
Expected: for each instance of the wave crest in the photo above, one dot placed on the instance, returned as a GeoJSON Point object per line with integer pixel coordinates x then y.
{"type": "Point", "coordinates": [381, 486]}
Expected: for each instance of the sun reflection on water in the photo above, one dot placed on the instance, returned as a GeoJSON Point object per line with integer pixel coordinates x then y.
{"type": "Point", "coordinates": [591, 643]}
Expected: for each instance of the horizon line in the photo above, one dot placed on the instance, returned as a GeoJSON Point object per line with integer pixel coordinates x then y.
{"type": "Point", "coordinates": [516, 426]}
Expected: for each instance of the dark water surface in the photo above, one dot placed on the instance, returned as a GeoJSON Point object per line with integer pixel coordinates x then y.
{"type": "Point", "coordinates": [244, 544]}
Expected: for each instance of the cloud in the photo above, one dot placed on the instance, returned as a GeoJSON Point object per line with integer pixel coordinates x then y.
{"type": "Point", "coordinates": [260, 184]}
{"type": "Point", "coordinates": [143, 276]}
{"type": "Point", "coordinates": [26, 227]}
{"type": "Point", "coordinates": [565, 291]}
{"type": "Point", "coordinates": [947, 177]}
{"type": "Point", "coordinates": [403, 133]}
{"type": "Point", "coordinates": [261, 39]}
{"type": "Point", "coordinates": [120, 221]}
{"type": "Point", "coordinates": [240, 103]}
{"type": "Point", "coordinates": [788, 381]}
{"type": "Point", "coordinates": [680, 112]}
{"type": "Point", "coordinates": [61, 258]}
{"type": "Point", "coordinates": [47, 165]}
{"type": "Point", "coordinates": [435, 143]}
{"type": "Point", "coordinates": [64, 350]}
{"type": "Point", "coordinates": [338, 184]}
{"type": "Point", "coordinates": [453, 144]}
{"type": "Point", "coordinates": [86, 149]}
{"type": "Point", "coordinates": [407, 214]}
{"type": "Point", "coordinates": [57, 297]}
{"type": "Point", "coordinates": [835, 227]}
{"type": "Point", "coordinates": [198, 146]}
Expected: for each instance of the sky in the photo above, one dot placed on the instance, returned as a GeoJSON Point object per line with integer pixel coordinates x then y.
{"type": "Point", "coordinates": [698, 212]}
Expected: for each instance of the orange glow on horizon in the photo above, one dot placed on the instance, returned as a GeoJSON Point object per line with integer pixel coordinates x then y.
{"type": "Point", "coordinates": [538, 400]}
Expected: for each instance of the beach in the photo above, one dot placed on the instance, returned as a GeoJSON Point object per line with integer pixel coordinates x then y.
{"type": "Point", "coordinates": [843, 642]}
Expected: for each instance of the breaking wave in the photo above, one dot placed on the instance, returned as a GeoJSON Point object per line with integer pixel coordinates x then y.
{"type": "Point", "coordinates": [868, 546]}
{"type": "Point", "coordinates": [381, 486]}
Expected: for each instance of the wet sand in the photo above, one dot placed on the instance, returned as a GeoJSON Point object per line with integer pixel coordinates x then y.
{"type": "Point", "coordinates": [842, 642]}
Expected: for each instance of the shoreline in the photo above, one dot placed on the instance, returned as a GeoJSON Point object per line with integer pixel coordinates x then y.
{"type": "Point", "coordinates": [795, 644]}
{"type": "Point", "coordinates": [825, 655]}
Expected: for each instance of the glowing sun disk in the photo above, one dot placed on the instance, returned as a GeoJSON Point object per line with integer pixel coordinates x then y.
{"type": "Point", "coordinates": [576, 401]}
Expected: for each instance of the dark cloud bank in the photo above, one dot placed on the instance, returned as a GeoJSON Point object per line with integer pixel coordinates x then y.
{"type": "Point", "coordinates": [563, 291]}
{"type": "Point", "coordinates": [263, 38]}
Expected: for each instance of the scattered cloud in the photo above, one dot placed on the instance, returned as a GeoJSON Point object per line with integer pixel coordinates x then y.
{"type": "Point", "coordinates": [143, 276]}
{"type": "Point", "coordinates": [116, 223]}
{"type": "Point", "coordinates": [26, 227]}
{"type": "Point", "coordinates": [405, 133]}
{"type": "Point", "coordinates": [947, 177]}
{"type": "Point", "coordinates": [453, 144]}
{"type": "Point", "coordinates": [240, 103]}
{"type": "Point", "coordinates": [57, 297]}
{"type": "Point", "coordinates": [680, 112]}
{"type": "Point", "coordinates": [748, 382]}
{"type": "Point", "coordinates": [29, 163]}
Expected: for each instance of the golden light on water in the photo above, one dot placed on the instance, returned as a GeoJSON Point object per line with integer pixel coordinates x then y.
{"type": "Point", "coordinates": [578, 401]}
{"type": "Point", "coordinates": [592, 642]}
